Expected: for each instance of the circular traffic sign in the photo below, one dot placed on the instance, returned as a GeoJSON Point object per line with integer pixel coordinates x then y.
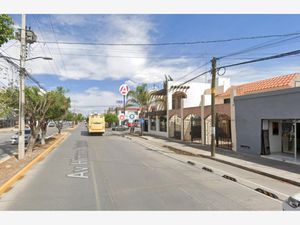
{"type": "Point", "coordinates": [121, 117]}
{"type": "Point", "coordinates": [124, 89]}
{"type": "Point", "coordinates": [131, 116]}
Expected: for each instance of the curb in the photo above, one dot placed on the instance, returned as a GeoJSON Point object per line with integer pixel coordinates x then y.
{"type": "Point", "coordinates": [233, 178]}
{"type": "Point", "coordinates": [241, 167]}
{"type": "Point", "coordinates": [8, 184]}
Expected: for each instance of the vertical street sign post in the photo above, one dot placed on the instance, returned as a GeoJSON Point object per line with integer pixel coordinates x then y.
{"type": "Point", "coordinates": [124, 89]}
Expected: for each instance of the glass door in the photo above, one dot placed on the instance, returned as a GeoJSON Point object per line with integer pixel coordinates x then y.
{"type": "Point", "coordinates": [288, 137]}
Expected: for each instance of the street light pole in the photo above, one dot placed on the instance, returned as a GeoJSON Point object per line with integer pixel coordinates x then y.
{"type": "Point", "coordinates": [21, 142]}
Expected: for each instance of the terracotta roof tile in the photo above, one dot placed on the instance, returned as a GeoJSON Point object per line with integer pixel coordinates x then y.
{"type": "Point", "coordinates": [279, 82]}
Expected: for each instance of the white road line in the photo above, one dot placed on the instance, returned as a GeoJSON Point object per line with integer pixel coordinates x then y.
{"type": "Point", "coordinates": [97, 198]}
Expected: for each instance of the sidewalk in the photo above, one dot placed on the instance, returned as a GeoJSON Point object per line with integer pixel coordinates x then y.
{"type": "Point", "coordinates": [283, 171]}
{"type": "Point", "coordinates": [8, 129]}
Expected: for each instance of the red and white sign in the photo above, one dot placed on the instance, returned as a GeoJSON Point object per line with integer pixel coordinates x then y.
{"type": "Point", "coordinates": [121, 117]}
{"type": "Point", "coordinates": [124, 89]}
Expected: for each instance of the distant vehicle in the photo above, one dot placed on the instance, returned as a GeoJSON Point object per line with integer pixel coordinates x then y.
{"type": "Point", "coordinates": [292, 203]}
{"type": "Point", "coordinates": [120, 128]}
{"type": "Point", "coordinates": [51, 124]}
{"type": "Point", "coordinates": [96, 124]}
{"type": "Point", "coordinates": [15, 138]}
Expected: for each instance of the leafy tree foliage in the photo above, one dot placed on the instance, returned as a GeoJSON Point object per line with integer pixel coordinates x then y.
{"type": "Point", "coordinates": [6, 28]}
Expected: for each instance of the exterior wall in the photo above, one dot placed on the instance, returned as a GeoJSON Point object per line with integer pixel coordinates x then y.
{"type": "Point", "coordinates": [193, 93]}
{"type": "Point", "coordinates": [221, 109]}
{"type": "Point", "coordinates": [251, 109]}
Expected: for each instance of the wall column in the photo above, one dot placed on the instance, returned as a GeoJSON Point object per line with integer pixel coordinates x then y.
{"type": "Point", "coordinates": [232, 120]}
{"type": "Point", "coordinates": [182, 120]}
{"type": "Point", "coordinates": [202, 120]}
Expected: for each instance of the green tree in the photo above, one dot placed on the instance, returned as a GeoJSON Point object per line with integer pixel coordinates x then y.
{"type": "Point", "coordinates": [111, 118]}
{"type": "Point", "coordinates": [57, 112]}
{"type": "Point", "coordinates": [39, 108]}
{"type": "Point", "coordinates": [142, 98]}
{"type": "Point", "coordinates": [6, 28]}
{"type": "Point", "coordinates": [70, 116]}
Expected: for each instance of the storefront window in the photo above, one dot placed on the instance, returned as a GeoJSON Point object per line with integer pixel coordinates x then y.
{"type": "Point", "coordinates": [152, 123]}
{"type": "Point", "coordinates": [163, 124]}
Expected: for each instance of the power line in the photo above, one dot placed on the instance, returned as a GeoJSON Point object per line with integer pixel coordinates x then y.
{"type": "Point", "coordinates": [256, 47]}
{"type": "Point", "coordinates": [54, 68]}
{"type": "Point", "coordinates": [262, 59]}
{"type": "Point", "coordinates": [197, 68]}
{"type": "Point", "coordinates": [247, 62]}
{"type": "Point", "coordinates": [173, 43]}
{"type": "Point", "coordinates": [199, 75]}
{"type": "Point", "coordinates": [26, 72]}
{"type": "Point", "coordinates": [63, 63]}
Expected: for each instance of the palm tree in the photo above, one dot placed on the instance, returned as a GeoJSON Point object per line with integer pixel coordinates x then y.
{"type": "Point", "coordinates": [142, 98]}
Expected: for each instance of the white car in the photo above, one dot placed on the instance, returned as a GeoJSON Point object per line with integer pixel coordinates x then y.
{"type": "Point", "coordinates": [292, 203]}
{"type": "Point", "coordinates": [15, 138]}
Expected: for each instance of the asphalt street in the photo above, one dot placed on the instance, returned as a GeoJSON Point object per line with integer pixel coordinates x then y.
{"type": "Point", "coordinates": [7, 149]}
{"type": "Point", "coordinates": [114, 173]}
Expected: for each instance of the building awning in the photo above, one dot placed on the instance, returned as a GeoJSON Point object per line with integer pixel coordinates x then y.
{"type": "Point", "coordinates": [179, 88]}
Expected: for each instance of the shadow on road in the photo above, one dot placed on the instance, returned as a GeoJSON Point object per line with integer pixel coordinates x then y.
{"type": "Point", "coordinates": [85, 133]}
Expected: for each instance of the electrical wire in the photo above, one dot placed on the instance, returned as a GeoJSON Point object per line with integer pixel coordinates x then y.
{"type": "Point", "coordinates": [197, 68]}
{"type": "Point", "coordinates": [262, 59]}
{"type": "Point", "coordinates": [256, 47]}
{"type": "Point", "coordinates": [55, 68]}
{"type": "Point", "coordinates": [296, 52]}
{"type": "Point", "coordinates": [199, 75]}
{"type": "Point", "coordinates": [174, 43]}
{"type": "Point", "coordinates": [59, 50]}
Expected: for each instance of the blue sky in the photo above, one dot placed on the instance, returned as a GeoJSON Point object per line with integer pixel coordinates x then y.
{"type": "Point", "coordinates": [89, 71]}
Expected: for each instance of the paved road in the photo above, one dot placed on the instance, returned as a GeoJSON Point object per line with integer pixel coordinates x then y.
{"type": "Point", "coordinates": [7, 149]}
{"type": "Point", "coordinates": [114, 173]}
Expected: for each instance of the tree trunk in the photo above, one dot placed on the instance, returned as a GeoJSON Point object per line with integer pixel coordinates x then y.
{"type": "Point", "coordinates": [43, 136]}
{"type": "Point", "coordinates": [43, 132]}
{"type": "Point", "coordinates": [32, 140]}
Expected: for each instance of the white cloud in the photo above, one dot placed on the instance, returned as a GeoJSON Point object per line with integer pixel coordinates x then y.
{"type": "Point", "coordinates": [92, 100]}
{"type": "Point", "coordinates": [101, 62]}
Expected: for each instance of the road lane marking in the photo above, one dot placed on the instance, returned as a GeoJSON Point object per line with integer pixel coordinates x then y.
{"type": "Point", "coordinates": [80, 165]}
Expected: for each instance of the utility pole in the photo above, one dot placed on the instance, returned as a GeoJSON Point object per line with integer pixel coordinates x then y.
{"type": "Point", "coordinates": [213, 111]}
{"type": "Point", "coordinates": [21, 141]}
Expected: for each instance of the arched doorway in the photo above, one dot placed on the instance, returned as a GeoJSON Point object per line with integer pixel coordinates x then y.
{"type": "Point", "coordinates": [223, 131]}
{"type": "Point", "coordinates": [192, 128]}
{"type": "Point", "coordinates": [175, 127]}
{"type": "Point", "coordinates": [176, 99]}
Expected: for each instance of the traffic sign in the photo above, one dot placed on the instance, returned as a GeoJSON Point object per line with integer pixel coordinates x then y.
{"type": "Point", "coordinates": [124, 89]}
{"type": "Point", "coordinates": [121, 117]}
{"type": "Point", "coordinates": [132, 116]}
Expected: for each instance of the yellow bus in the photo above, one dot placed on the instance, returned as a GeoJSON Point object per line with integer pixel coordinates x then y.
{"type": "Point", "coordinates": [96, 124]}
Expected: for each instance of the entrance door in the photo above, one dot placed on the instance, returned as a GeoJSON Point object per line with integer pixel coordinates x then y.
{"type": "Point", "coordinates": [288, 137]}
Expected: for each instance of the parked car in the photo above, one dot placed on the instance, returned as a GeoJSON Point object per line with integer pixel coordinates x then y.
{"type": "Point", "coordinates": [292, 203]}
{"type": "Point", "coordinates": [120, 128]}
{"type": "Point", "coordinates": [15, 138]}
{"type": "Point", "coordinates": [51, 124]}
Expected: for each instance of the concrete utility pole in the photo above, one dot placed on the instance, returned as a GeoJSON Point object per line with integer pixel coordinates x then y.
{"type": "Point", "coordinates": [21, 142]}
{"type": "Point", "coordinates": [213, 112]}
